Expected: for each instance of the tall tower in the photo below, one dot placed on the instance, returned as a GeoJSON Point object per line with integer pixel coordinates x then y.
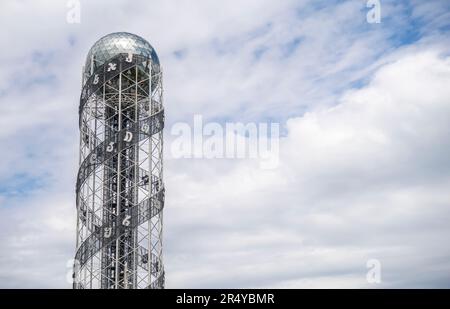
{"type": "Point", "coordinates": [119, 189]}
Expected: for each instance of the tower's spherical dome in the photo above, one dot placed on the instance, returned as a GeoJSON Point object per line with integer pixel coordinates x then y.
{"type": "Point", "coordinates": [120, 42]}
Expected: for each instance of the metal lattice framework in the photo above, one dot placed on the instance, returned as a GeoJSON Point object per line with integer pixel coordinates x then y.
{"type": "Point", "coordinates": [119, 190]}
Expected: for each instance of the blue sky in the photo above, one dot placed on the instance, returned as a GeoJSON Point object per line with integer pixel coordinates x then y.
{"type": "Point", "coordinates": [364, 111]}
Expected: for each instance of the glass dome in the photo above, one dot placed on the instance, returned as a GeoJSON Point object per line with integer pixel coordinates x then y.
{"type": "Point", "coordinates": [120, 42]}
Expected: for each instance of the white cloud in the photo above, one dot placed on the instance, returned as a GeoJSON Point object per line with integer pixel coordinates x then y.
{"type": "Point", "coordinates": [365, 179]}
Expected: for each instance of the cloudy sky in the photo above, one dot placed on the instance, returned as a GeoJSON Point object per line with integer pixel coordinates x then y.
{"type": "Point", "coordinates": [364, 157]}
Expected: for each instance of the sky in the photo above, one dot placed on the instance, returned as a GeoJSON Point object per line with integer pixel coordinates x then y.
{"type": "Point", "coordinates": [364, 153]}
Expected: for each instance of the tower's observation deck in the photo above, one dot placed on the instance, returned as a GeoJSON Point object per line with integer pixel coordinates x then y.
{"type": "Point", "coordinates": [116, 43]}
{"type": "Point", "coordinates": [120, 191]}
